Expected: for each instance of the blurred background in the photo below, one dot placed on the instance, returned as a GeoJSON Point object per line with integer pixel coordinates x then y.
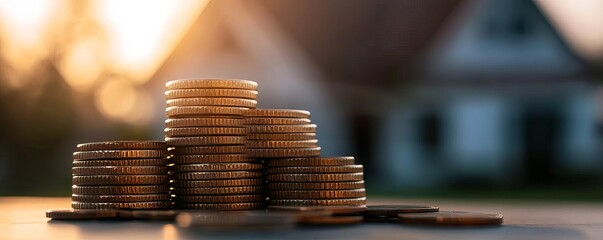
{"type": "Point", "coordinates": [491, 99]}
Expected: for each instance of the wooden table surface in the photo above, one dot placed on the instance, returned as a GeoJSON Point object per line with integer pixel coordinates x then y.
{"type": "Point", "coordinates": [24, 218]}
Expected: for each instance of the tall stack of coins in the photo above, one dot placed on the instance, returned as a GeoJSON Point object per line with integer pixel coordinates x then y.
{"type": "Point", "coordinates": [319, 181]}
{"type": "Point", "coordinates": [205, 132]}
{"type": "Point", "coordinates": [280, 133]}
{"type": "Point", "coordinates": [120, 175]}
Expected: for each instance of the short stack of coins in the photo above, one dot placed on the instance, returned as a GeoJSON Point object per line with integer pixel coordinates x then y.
{"type": "Point", "coordinates": [120, 175]}
{"type": "Point", "coordinates": [205, 132]}
{"type": "Point", "coordinates": [280, 133]}
{"type": "Point", "coordinates": [319, 181]}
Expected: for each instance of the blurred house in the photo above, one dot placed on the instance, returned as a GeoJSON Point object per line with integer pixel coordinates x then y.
{"type": "Point", "coordinates": [423, 93]}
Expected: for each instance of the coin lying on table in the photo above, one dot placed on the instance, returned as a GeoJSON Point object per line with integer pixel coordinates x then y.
{"type": "Point", "coordinates": [275, 186]}
{"type": "Point", "coordinates": [451, 218]}
{"type": "Point", "coordinates": [81, 214]}
{"type": "Point", "coordinates": [307, 162]}
{"type": "Point", "coordinates": [121, 145]}
{"type": "Point", "coordinates": [332, 209]}
{"type": "Point", "coordinates": [394, 210]}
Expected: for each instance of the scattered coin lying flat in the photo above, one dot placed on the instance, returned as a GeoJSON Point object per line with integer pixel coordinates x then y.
{"type": "Point", "coordinates": [394, 210]}
{"type": "Point", "coordinates": [306, 162]}
{"type": "Point", "coordinates": [451, 218]}
{"type": "Point", "coordinates": [81, 214]}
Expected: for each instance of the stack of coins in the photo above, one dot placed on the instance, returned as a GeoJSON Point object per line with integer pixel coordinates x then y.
{"type": "Point", "coordinates": [273, 134]}
{"type": "Point", "coordinates": [205, 132]}
{"type": "Point", "coordinates": [326, 181]}
{"type": "Point", "coordinates": [120, 175]}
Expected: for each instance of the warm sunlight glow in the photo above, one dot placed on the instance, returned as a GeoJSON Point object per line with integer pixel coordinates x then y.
{"type": "Point", "coordinates": [81, 65]}
{"type": "Point", "coordinates": [580, 22]}
{"type": "Point", "coordinates": [119, 100]}
{"type": "Point", "coordinates": [144, 32]}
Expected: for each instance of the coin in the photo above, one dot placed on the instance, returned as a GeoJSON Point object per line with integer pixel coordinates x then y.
{"type": "Point", "coordinates": [203, 131]}
{"type": "Point", "coordinates": [121, 145]}
{"type": "Point", "coordinates": [281, 136]}
{"type": "Point", "coordinates": [228, 149]}
{"type": "Point", "coordinates": [275, 186]}
{"type": "Point", "coordinates": [230, 102]}
{"type": "Point", "coordinates": [282, 144]}
{"type": "Point", "coordinates": [218, 167]}
{"type": "Point", "coordinates": [317, 161]}
{"type": "Point", "coordinates": [307, 128]}
{"type": "Point", "coordinates": [71, 214]}
{"type": "Point", "coordinates": [284, 152]}
{"type": "Point", "coordinates": [211, 83]}
{"type": "Point", "coordinates": [122, 162]}
{"type": "Point", "coordinates": [332, 209]}
{"type": "Point", "coordinates": [205, 122]}
{"type": "Point", "coordinates": [218, 190]}
{"type": "Point", "coordinates": [120, 198]}
{"type": "Point", "coordinates": [331, 220]}
{"type": "Point", "coordinates": [221, 206]}
{"type": "Point", "coordinates": [120, 180]}
{"type": "Point", "coordinates": [204, 140]}
{"type": "Point", "coordinates": [317, 194]}
{"type": "Point", "coordinates": [218, 183]}
{"type": "Point", "coordinates": [118, 154]}
{"type": "Point", "coordinates": [212, 158]}
{"type": "Point", "coordinates": [216, 175]}
{"type": "Point", "coordinates": [196, 111]}
{"type": "Point", "coordinates": [451, 218]}
{"type": "Point", "coordinates": [276, 121]}
{"type": "Point", "coordinates": [278, 113]}
{"type": "Point", "coordinates": [308, 177]}
{"type": "Point", "coordinates": [221, 93]}
{"type": "Point", "coordinates": [316, 169]}
{"type": "Point", "coordinates": [239, 198]}
{"type": "Point", "coordinates": [317, 202]}
{"type": "Point", "coordinates": [394, 210]}
{"type": "Point", "coordinates": [125, 205]}
{"type": "Point", "coordinates": [112, 170]}
{"type": "Point", "coordinates": [108, 190]}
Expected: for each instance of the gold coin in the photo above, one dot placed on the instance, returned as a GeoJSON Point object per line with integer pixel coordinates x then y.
{"type": "Point", "coordinates": [204, 131]}
{"type": "Point", "coordinates": [331, 220]}
{"type": "Point", "coordinates": [205, 141]}
{"type": "Point", "coordinates": [119, 154]}
{"type": "Point", "coordinates": [317, 194]}
{"type": "Point", "coordinates": [218, 167]}
{"type": "Point", "coordinates": [284, 152]}
{"type": "Point", "coordinates": [394, 210]}
{"type": "Point", "coordinates": [205, 122]}
{"type": "Point", "coordinates": [215, 158]}
{"type": "Point", "coordinates": [216, 175]}
{"type": "Point", "coordinates": [310, 177]}
{"type": "Point", "coordinates": [228, 102]}
{"type": "Point", "coordinates": [120, 198]}
{"type": "Point", "coordinates": [278, 113]}
{"type": "Point", "coordinates": [451, 218]}
{"type": "Point", "coordinates": [211, 83]}
{"type": "Point", "coordinates": [220, 198]}
{"type": "Point", "coordinates": [218, 190]}
{"type": "Point", "coordinates": [219, 183]}
{"type": "Point", "coordinates": [122, 162]}
{"type": "Point", "coordinates": [281, 144]}
{"type": "Point", "coordinates": [318, 161]}
{"type": "Point", "coordinates": [222, 206]}
{"type": "Point", "coordinates": [119, 190]}
{"type": "Point", "coordinates": [281, 136]}
{"type": "Point", "coordinates": [277, 121]}
{"type": "Point", "coordinates": [227, 149]}
{"type": "Point", "coordinates": [307, 128]}
{"type": "Point", "coordinates": [209, 93]}
{"type": "Point", "coordinates": [316, 169]}
{"type": "Point", "coordinates": [197, 111]}
{"type": "Point", "coordinates": [117, 170]}
{"type": "Point", "coordinates": [275, 186]}
{"type": "Point", "coordinates": [332, 209]}
{"type": "Point", "coordinates": [317, 202]}
{"type": "Point", "coordinates": [121, 145]}
{"type": "Point", "coordinates": [120, 180]}
{"type": "Point", "coordinates": [81, 214]}
{"type": "Point", "coordinates": [122, 205]}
